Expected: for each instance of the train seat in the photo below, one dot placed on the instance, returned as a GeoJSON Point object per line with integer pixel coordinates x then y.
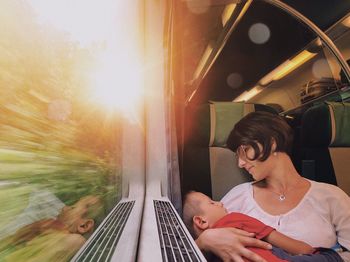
{"type": "Point", "coordinates": [325, 135]}
{"type": "Point", "coordinates": [208, 166]}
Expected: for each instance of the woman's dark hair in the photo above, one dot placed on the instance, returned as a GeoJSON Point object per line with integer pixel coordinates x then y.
{"type": "Point", "coordinates": [261, 128]}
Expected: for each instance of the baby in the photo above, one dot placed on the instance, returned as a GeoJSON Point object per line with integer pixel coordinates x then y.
{"type": "Point", "coordinates": [54, 239]}
{"type": "Point", "coordinates": [200, 213]}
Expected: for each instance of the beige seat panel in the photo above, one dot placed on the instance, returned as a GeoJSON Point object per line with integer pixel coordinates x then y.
{"type": "Point", "coordinates": [225, 174]}
{"type": "Point", "coordinates": [340, 159]}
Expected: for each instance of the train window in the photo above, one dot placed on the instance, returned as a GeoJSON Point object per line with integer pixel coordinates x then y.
{"type": "Point", "coordinates": [63, 76]}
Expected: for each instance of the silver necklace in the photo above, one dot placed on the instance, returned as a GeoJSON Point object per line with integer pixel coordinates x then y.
{"type": "Point", "coordinates": [281, 196]}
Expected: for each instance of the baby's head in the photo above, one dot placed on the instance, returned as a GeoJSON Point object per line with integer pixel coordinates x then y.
{"type": "Point", "coordinates": [79, 218]}
{"type": "Point", "coordinates": [201, 212]}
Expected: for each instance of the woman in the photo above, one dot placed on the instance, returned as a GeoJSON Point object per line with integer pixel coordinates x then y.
{"type": "Point", "coordinates": [316, 213]}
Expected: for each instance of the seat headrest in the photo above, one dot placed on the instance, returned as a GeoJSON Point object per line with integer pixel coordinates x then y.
{"type": "Point", "coordinates": [223, 117]}
{"type": "Point", "coordinates": [327, 124]}
{"type": "Point", "coordinates": [340, 121]}
{"type": "Point", "coordinates": [210, 124]}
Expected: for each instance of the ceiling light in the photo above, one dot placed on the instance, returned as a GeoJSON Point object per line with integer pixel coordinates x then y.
{"type": "Point", "coordinates": [227, 13]}
{"type": "Point", "coordinates": [346, 21]}
{"type": "Point", "coordinates": [297, 61]}
{"type": "Point", "coordinates": [246, 95]}
{"type": "Point", "coordinates": [203, 60]}
{"type": "Point", "coordinates": [287, 67]}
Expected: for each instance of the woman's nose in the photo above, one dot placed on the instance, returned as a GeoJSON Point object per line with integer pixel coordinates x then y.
{"type": "Point", "coordinates": [241, 162]}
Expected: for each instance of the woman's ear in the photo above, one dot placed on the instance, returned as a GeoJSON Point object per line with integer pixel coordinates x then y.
{"type": "Point", "coordinates": [200, 222]}
{"type": "Point", "coordinates": [273, 145]}
{"type": "Point", "coordinates": [85, 226]}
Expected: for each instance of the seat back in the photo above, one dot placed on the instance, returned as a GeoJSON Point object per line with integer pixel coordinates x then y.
{"type": "Point", "coordinates": [208, 166]}
{"type": "Point", "coordinates": [325, 135]}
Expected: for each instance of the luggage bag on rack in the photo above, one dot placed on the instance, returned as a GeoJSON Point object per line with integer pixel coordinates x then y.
{"type": "Point", "coordinates": [317, 88]}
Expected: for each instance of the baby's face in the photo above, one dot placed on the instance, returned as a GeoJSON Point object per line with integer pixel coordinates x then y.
{"type": "Point", "coordinates": [211, 210]}
{"type": "Point", "coordinates": [72, 216]}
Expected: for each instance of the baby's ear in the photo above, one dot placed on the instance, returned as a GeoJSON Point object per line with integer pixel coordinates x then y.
{"type": "Point", "coordinates": [200, 222]}
{"type": "Point", "coordinates": [85, 225]}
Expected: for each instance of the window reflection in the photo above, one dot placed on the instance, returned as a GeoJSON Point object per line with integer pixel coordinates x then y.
{"type": "Point", "coordinates": [59, 151]}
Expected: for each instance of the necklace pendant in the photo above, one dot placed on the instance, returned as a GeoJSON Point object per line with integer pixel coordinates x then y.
{"type": "Point", "coordinates": [282, 197]}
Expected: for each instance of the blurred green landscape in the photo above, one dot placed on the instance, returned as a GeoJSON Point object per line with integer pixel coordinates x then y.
{"type": "Point", "coordinates": [53, 138]}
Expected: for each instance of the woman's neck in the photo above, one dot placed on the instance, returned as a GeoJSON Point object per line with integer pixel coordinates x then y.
{"type": "Point", "coordinates": [284, 175]}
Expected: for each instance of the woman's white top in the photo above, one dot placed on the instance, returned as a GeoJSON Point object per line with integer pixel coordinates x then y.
{"type": "Point", "coordinates": [320, 219]}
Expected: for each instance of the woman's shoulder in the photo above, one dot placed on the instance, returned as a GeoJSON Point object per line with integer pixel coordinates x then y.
{"type": "Point", "coordinates": [325, 190]}
{"type": "Point", "coordinates": [324, 187]}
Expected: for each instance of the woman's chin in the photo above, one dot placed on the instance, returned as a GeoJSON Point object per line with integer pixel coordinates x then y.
{"type": "Point", "coordinates": [255, 176]}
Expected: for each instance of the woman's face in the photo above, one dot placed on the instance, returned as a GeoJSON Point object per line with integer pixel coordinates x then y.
{"type": "Point", "coordinates": [258, 169]}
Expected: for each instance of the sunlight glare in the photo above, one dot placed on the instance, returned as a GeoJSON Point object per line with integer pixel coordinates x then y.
{"type": "Point", "coordinates": [117, 82]}
{"type": "Point", "coordinates": [86, 21]}
{"type": "Point", "coordinates": [116, 79]}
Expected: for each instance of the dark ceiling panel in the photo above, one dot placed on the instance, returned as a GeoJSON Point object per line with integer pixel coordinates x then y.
{"type": "Point", "coordinates": [324, 13]}
{"type": "Point", "coordinates": [252, 61]}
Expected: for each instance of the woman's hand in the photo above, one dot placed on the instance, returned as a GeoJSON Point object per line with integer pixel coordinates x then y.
{"type": "Point", "coordinates": [230, 244]}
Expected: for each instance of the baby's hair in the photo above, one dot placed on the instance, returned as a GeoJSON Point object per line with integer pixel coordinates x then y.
{"type": "Point", "coordinates": [95, 210]}
{"type": "Point", "coordinates": [190, 209]}
{"type": "Point", "coordinates": [94, 206]}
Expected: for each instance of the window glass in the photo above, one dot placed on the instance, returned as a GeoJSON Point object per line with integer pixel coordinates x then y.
{"type": "Point", "coordinates": [60, 126]}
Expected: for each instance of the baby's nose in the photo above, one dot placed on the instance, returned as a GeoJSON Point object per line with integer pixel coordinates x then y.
{"type": "Point", "coordinates": [219, 204]}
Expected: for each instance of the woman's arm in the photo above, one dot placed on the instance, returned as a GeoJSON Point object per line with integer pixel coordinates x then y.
{"type": "Point", "coordinates": [230, 244]}
{"type": "Point", "coordinates": [292, 246]}
{"type": "Point", "coordinates": [345, 256]}
{"type": "Point", "coordinates": [340, 214]}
